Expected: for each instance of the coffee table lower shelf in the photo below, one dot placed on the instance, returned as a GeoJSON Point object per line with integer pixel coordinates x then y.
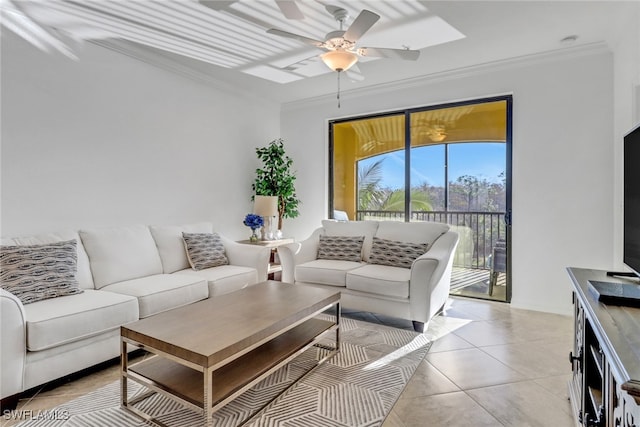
{"type": "Point", "coordinates": [186, 385]}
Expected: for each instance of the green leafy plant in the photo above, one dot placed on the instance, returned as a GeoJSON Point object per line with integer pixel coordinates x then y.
{"type": "Point", "coordinates": [276, 178]}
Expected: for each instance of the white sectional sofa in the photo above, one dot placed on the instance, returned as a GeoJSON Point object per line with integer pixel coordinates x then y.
{"type": "Point", "coordinates": [415, 292]}
{"type": "Point", "coordinates": [127, 273]}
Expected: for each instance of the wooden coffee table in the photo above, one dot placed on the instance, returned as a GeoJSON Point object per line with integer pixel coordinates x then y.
{"type": "Point", "coordinates": [210, 352]}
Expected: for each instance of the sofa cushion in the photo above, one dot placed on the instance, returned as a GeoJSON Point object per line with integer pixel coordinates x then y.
{"type": "Point", "coordinates": [162, 292]}
{"type": "Point", "coordinates": [343, 248]}
{"type": "Point", "coordinates": [396, 254]}
{"type": "Point", "coordinates": [83, 275]}
{"type": "Point", "coordinates": [122, 253]}
{"type": "Point", "coordinates": [51, 323]}
{"type": "Point", "coordinates": [225, 279]}
{"type": "Point", "coordinates": [170, 244]}
{"type": "Point", "coordinates": [353, 228]}
{"type": "Point", "coordinates": [412, 232]}
{"type": "Point", "coordinates": [380, 280]}
{"type": "Point", "coordinates": [39, 272]}
{"type": "Point", "coordinates": [204, 250]}
{"type": "Point", "coordinates": [325, 272]}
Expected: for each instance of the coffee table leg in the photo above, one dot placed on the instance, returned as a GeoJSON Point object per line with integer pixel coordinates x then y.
{"type": "Point", "coordinates": [208, 397]}
{"type": "Point", "coordinates": [338, 315]}
{"type": "Point", "coordinates": [124, 365]}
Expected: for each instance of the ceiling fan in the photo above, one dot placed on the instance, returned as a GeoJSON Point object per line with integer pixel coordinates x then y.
{"type": "Point", "coordinates": [340, 45]}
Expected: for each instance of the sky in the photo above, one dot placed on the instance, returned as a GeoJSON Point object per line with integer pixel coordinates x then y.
{"type": "Point", "coordinates": [483, 160]}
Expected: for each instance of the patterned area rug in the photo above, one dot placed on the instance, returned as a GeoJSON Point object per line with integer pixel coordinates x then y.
{"type": "Point", "coordinates": [357, 387]}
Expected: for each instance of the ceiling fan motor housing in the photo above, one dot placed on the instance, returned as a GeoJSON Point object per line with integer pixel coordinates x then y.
{"type": "Point", "coordinates": [335, 40]}
{"type": "Point", "coordinates": [338, 13]}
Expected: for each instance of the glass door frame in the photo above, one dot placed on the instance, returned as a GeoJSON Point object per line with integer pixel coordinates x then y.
{"type": "Point", "coordinates": [407, 131]}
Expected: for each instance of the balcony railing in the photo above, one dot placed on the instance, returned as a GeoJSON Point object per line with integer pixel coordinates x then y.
{"type": "Point", "coordinates": [478, 231]}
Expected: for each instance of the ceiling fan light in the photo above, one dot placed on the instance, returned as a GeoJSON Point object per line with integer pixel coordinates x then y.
{"type": "Point", "coordinates": [437, 133]}
{"type": "Point", "coordinates": [339, 60]}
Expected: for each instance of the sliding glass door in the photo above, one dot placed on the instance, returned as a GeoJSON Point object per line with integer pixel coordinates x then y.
{"type": "Point", "coordinates": [448, 163]}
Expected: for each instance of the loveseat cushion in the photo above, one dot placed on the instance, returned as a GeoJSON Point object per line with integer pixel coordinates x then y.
{"type": "Point", "coordinates": [67, 319]}
{"type": "Point", "coordinates": [380, 280]}
{"type": "Point", "coordinates": [121, 253]}
{"type": "Point", "coordinates": [411, 232]}
{"type": "Point", "coordinates": [170, 244]}
{"type": "Point", "coordinates": [225, 278]}
{"type": "Point", "coordinates": [325, 272]}
{"type": "Point", "coordinates": [162, 292]}
{"type": "Point", "coordinates": [85, 280]}
{"type": "Point", "coordinates": [353, 228]}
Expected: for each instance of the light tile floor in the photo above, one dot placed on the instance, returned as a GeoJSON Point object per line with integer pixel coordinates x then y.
{"type": "Point", "coordinates": [489, 365]}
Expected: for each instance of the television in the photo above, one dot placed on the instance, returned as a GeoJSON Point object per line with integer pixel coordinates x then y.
{"type": "Point", "coordinates": [631, 199]}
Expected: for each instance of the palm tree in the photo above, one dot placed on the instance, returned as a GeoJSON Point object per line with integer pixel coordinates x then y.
{"type": "Point", "coordinates": [370, 194]}
{"type": "Point", "coordinates": [395, 201]}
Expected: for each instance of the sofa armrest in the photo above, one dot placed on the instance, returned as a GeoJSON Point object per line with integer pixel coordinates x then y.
{"type": "Point", "coordinates": [431, 278]}
{"type": "Point", "coordinates": [248, 256]}
{"type": "Point", "coordinates": [293, 254]}
{"type": "Point", "coordinates": [13, 348]}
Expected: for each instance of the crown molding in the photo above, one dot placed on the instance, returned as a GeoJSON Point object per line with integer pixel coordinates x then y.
{"type": "Point", "coordinates": [208, 79]}
{"type": "Point", "coordinates": [439, 77]}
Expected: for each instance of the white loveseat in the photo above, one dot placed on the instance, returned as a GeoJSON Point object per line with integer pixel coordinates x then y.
{"type": "Point", "coordinates": [127, 273]}
{"type": "Point", "coordinates": [416, 293]}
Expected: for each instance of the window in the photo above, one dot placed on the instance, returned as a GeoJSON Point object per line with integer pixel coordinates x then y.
{"type": "Point", "coordinates": [446, 164]}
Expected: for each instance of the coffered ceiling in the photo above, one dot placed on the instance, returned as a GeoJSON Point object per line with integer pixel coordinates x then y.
{"type": "Point", "coordinates": [226, 43]}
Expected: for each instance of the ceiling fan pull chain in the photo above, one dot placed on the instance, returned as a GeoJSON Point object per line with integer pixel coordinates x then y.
{"type": "Point", "coordinates": [338, 88]}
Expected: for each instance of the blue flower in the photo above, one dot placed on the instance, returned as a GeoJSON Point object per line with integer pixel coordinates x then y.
{"type": "Point", "coordinates": [253, 221]}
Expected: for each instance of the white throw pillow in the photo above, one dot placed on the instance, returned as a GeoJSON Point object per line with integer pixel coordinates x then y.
{"type": "Point", "coordinates": [121, 253]}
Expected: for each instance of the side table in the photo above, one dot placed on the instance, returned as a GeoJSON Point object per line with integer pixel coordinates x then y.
{"type": "Point", "coordinates": [274, 269]}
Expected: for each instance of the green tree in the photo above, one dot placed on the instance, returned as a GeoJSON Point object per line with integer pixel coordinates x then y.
{"type": "Point", "coordinates": [276, 178]}
{"type": "Point", "coordinates": [469, 186]}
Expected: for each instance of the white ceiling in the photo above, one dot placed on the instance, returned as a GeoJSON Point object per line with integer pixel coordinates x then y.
{"type": "Point", "coordinates": [225, 42]}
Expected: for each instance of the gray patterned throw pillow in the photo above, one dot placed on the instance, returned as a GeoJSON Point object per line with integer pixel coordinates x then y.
{"type": "Point", "coordinates": [341, 248]}
{"type": "Point", "coordinates": [204, 250]}
{"type": "Point", "coordinates": [396, 254]}
{"type": "Point", "coordinates": [38, 272]}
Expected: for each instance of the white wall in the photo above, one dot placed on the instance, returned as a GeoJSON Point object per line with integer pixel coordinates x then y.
{"type": "Point", "coordinates": [562, 159]}
{"type": "Point", "coordinates": [626, 66]}
{"type": "Point", "coordinates": [109, 140]}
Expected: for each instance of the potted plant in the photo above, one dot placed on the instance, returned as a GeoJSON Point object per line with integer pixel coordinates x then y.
{"type": "Point", "coordinates": [276, 178]}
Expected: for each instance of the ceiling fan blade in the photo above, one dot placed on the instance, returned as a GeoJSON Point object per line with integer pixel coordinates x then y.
{"type": "Point", "coordinates": [290, 9]}
{"type": "Point", "coordinates": [381, 52]}
{"type": "Point", "coordinates": [354, 73]}
{"type": "Point", "coordinates": [313, 42]}
{"type": "Point", "coordinates": [216, 4]}
{"type": "Point", "coordinates": [361, 25]}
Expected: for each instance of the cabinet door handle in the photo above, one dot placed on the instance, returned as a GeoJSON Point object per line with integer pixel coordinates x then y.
{"type": "Point", "coordinates": [577, 358]}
